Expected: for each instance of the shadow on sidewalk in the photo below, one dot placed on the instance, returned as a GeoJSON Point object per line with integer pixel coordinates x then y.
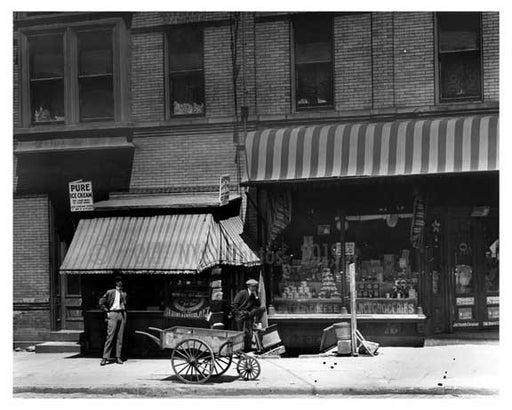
{"type": "Point", "coordinates": [210, 381]}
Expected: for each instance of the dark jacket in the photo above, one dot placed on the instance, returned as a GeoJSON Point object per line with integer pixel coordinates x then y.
{"type": "Point", "coordinates": [107, 300]}
{"type": "Point", "coordinates": [244, 303]}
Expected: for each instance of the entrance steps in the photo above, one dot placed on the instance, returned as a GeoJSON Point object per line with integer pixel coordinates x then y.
{"type": "Point", "coordinates": [62, 341]}
{"type": "Point", "coordinates": [58, 347]}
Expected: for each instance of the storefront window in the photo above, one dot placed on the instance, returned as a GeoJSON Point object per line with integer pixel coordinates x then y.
{"type": "Point", "coordinates": [311, 277]}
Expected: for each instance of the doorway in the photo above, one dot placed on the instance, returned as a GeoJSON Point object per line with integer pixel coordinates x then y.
{"type": "Point", "coordinates": [473, 266]}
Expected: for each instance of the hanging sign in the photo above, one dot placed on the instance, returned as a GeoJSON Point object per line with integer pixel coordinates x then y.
{"type": "Point", "coordinates": [224, 189]}
{"type": "Point", "coordinates": [350, 248]}
{"type": "Point", "coordinates": [80, 196]}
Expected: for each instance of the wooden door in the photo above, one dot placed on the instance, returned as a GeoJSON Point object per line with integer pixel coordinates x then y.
{"type": "Point", "coordinates": [71, 297]}
{"type": "Point", "coordinates": [487, 263]}
{"type": "Point", "coordinates": [474, 280]}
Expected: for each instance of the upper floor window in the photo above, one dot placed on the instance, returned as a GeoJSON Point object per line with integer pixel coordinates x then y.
{"type": "Point", "coordinates": [185, 67]}
{"type": "Point", "coordinates": [313, 61]}
{"type": "Point", "coordinates": [95, 75]}
{"type": "Point", "coordinates": [459, 56]}
{"type": "Point", "coordinates": [71, 75]}
{"type": "Point", "coordinates": [47, 78]}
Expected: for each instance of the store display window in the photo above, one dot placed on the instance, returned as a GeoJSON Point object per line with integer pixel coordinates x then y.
{"type": "Point", "coordinates": [310, 276]}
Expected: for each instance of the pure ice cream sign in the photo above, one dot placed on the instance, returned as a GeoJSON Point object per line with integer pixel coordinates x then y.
{"type": "Point", "coordinates": [80, 196]}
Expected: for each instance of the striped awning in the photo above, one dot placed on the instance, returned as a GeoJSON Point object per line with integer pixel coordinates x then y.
{"type": "Point", "coordinates": [184, 243]}
{"type": "Point", "coordinates": [405, 147]}
{"type": "Point", "coordinates": [232, 247]}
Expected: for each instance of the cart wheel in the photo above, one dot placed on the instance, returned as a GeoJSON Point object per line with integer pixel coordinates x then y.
{"type": "Point", "coordinates": [248, 367]}
{"type": "Point", "coordinates": [192, 361]}
{"type": "Point", "coordinates": [223, 359]}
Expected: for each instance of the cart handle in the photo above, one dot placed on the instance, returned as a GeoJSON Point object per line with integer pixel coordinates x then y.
{"type": "Point", "coordinates": [154, 338]}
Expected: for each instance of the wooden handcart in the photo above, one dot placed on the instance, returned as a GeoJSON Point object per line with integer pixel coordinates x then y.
{"type": "Point", "coordinates": [198, 354]}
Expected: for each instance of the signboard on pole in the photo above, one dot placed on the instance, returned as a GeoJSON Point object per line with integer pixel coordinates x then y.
{"type": "Point", "coordinates": [224, 189]}
{"type": "Point", "coordinates": [350, 248]}
{"type": "Point", "coordinates": [80, 196]}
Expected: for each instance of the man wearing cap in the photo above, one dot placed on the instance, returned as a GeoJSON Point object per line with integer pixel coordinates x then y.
{"type": "Point", "coordinates": [113, 303]}
{"type": "Point", "coordinates": [247, 310]}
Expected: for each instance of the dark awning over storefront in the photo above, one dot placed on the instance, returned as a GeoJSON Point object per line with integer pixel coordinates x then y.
{"type": "Point", "coordinates": [405, 147]}
{"type": "Point", "coordinates": [71, 144]}
{"type": "Point", "coordinates": [185, 243]}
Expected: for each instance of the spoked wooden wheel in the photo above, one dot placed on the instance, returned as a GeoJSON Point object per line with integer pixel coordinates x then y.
{"type": "Point", "coordinates": [223, 359]}
{"type": "Point", "coordinates": [192, 361]}
{"type": "Point", "coordinates": [248, 367]}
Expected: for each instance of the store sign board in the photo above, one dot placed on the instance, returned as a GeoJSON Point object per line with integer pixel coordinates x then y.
{"type": "Point", "coordinates": [190, 303]}
{"type": "Point", "coordinates": [350, 248]}
{"type": "Point", "coordinates": [465, 301]}
{"type": "Point", "coordinates": [224, 189]}
{"type": "Point", "coordinates": [385, 306]}
{"type": "Point", "coordinates": [80, 196]}
{"type": "Point", "coordinates": [493, 300]}
{"type": "Point", "coordinates": [465, 324]}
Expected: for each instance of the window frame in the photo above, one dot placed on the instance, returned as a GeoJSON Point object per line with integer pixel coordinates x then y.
{"type": "Point", "coordinates": [168, 82]}
{"type": "Point", "coordinates": [295, 78]}
{"type": "Point", "coordinates": [438, 88]}
{"type": "Point", "coordinates": [71, 82]}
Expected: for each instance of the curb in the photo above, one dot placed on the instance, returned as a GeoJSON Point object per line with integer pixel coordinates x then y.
{"type": "Point", "coordinates": [193, 391]}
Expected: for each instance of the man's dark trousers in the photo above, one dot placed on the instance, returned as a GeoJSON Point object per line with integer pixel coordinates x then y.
{"type": "Point", "coordinates": [115, 325]}
{"type": "Point", "coordinates": [245, 325]}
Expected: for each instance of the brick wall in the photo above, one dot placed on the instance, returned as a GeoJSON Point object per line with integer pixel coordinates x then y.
{"type": "Point", "coordinates": [218, 71]}
{"type": "Point", "coordinates": [352, 62]}
{"type": "Point", "coordinates": [31, 325]}
{"type": "Point", "coordinates": [273, 67]}
{"type": "Point", "coordinates": [414, 58]}
{"type": "Point", "coordinates": [147, 77]}
{"type": "Point", "coordinates": [197, 160]}
{"type": "Point", "coordinates": [148, 19]}
{"type": "Point", "coordinates": [31, 282]}
{"type": "Point", "coordinates": [246, 55]}
{"type": "Point", "coordinates": [382, 61]}
{"type": "Point", "coordinates": [31, 247]}
{"type": "Point", "coordinates": [16, 82]}
{"type": "Point", "coordinates": [491, 55]}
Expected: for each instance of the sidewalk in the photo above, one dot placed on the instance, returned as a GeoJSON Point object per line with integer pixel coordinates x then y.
{"type": "Point", "coordinates": [463, 369]}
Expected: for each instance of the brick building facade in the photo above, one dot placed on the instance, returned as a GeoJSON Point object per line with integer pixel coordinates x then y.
{"type": "Point", "coordinates": [384, 67]}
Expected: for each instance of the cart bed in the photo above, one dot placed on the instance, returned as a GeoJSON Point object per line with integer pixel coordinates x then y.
{"type": "Point", "coordinates": [214, 338]}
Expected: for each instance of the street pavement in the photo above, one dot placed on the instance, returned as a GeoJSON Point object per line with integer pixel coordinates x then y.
{"type": "Point", "coordinates": [439, 371]}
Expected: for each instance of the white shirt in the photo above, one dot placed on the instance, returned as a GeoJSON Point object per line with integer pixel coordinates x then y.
{"type": "Point", "coordinates": [117, 301]}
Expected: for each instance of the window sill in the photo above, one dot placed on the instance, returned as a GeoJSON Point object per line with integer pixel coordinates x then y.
{"type": "Point", "coordinates": [63, 128]}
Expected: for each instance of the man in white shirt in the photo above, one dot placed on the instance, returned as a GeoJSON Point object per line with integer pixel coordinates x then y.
{"type": "Point", "coordinates": [113, 302]}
